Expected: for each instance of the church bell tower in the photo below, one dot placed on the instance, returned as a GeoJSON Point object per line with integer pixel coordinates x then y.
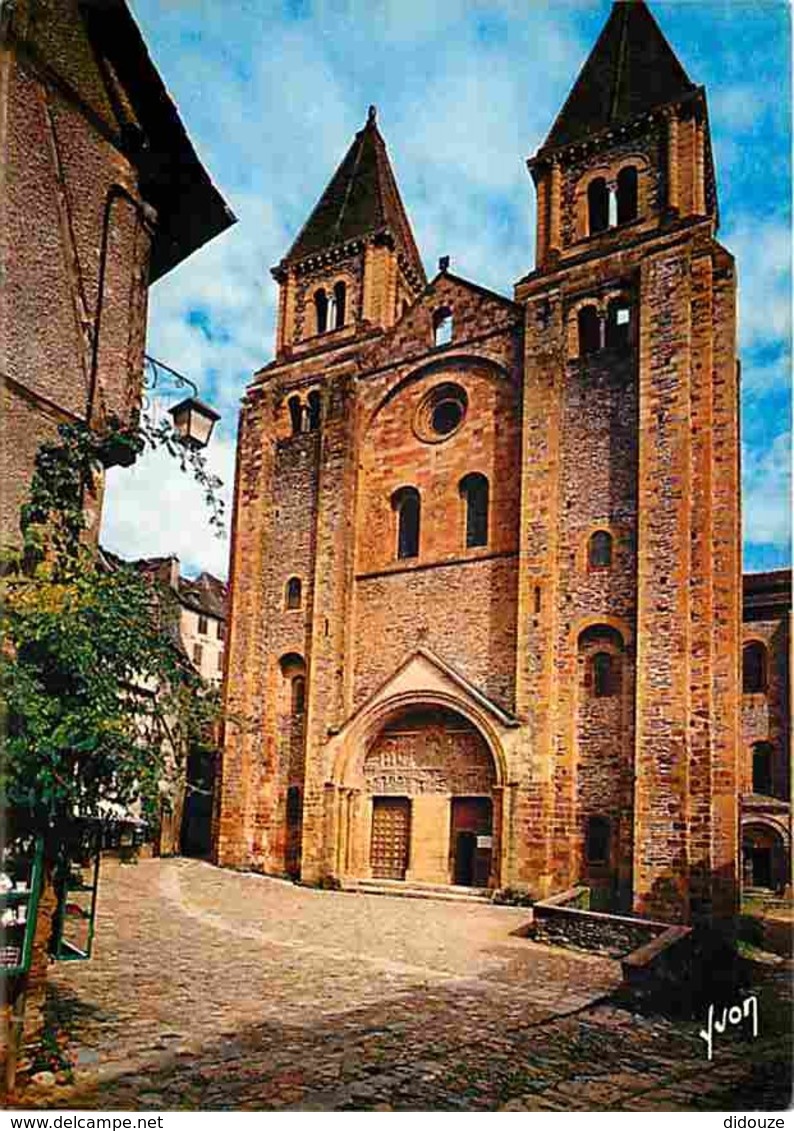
{"type": "Point", "coordinates": [631, 492]}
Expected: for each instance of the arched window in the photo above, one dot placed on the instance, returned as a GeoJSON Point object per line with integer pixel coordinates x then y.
{"type": "Point", "coordinates": [293, 669]}
{"type": "Point", "coordinates": [618, 323]}
{"type": "Point", "coordinates": [340, 298]}
{"type": "Point", "coordinates": [474, 489]}
{"type": "Point", "coordinates": [604, 668]}
{"type": "Point", "coordinates": [295, 414]}
{"type": "Point", "coordinates": [589, 331]}
{"type": "Point", "coordinates": [442, 326]}
{"type": "Point", "coordinates": [408, 508]}
{"type": "Point", "coordinates": [597, 840]}
{"type": "Point", "coordinates": [314, 403]}
{"type": "Point", "coordinates": [754, 672]}
{"type": "Point", "coordinates": [321, 311]}
{"type": "Point", "coordinates": [599, 550]}
{"type": "Point", "coordinates": [298, 694]}
{"type": "Point", "coordinates": [597, 206]}
{"type": "Point", "coordinates": [762, 768]}
{"type": "Point", "coordinates": [627, 194]}
{"type": "Point", "coordinates": [294, 593]}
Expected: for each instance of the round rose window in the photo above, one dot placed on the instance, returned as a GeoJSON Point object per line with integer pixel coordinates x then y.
{"type": "Point", "coordinates": [441, 412]}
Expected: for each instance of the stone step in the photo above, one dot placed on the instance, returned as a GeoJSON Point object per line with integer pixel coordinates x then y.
{"type": "Point", "coordinates": [450, 893]}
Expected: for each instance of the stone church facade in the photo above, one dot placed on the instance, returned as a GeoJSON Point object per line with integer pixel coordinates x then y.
{"type": "Point", "coordinates": [485, 622]}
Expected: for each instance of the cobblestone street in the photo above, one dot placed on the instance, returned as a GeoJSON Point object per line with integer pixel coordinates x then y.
{"type": "Point", "coordinates": [212, 989]}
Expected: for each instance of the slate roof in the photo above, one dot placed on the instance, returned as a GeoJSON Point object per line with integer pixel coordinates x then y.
{"type": "Point", "coordinates": [190, 209]}
{"type": "Point", "coordinates": [361, 199]}
{"type": "Point", "coordinates": [632, 69]}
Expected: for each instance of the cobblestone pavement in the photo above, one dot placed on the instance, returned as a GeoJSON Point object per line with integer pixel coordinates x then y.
{"type": "Point", "coordinates": [220, 990]}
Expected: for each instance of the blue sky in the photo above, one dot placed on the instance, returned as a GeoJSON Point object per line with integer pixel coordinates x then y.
{"type": "Point", "coordinates": [272, 93]}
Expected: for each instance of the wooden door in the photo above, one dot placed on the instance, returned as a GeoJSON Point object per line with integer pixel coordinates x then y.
{"type": "Point", "coordinates": [391, 837]}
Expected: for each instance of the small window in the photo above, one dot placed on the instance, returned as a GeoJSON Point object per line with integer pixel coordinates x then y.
{"type": "Point", "coordinates": [298, 694]}
{"type": "Point", "coordinates": [405, 307]}
{"type": "Point", "coordinates": [597, 206]}
{"type": "Point", "coordinates": [597, 840]}
{"type": "Point", "coordinates": [442, 326]}
{"type": "Point", "coordinates": [293, 805]}
{"type": "Point", "coordinates": [321, 311]}
{"type": "Point", "coordinates": [604, 675]}
{"type": "Point", "coordinates": [754, 669]}
{"type": "Point", "coordinates": [293, 593]}
{"type": "Point", "coordinates": [408, 508]}
{"type": "Point", "coordinates": [627, 195]}
{"type": "Point", "coordinates": [220, 661]}
{"type": "Point", "coordinates": [589, 331]}
{"type": "Point", "coordinates": [202, 625]}
{"type": "Point", "coordinates": [599, 550]}
{"type": "Point", "coordinates": [314, 410]}
{"type": "Point", "coordinates": [295, 414]}
{"type": "Point", "coordinates": [618, 323]}
{"type": "Point", "coordinates": [220, 630]}
{"type": "Point", "coordinates": [474, 489]}
{"type": "Point", "coordinates": [762, 768]}
{"type": "Point", "coordinates": [198, 652]}
{"type": "Point", "coordinates": [340, 299]}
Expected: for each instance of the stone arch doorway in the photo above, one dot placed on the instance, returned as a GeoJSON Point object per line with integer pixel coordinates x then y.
{"type": "Point", "coordinates": [764, 857]}
{"type": "Point", "coordinates": [431, 800]}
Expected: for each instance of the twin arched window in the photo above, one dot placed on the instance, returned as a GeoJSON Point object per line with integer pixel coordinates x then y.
{"type": "Point", "coordinates": [754, 668]}
{"type": "Point", "coordinates": [407, 505]}
{"type": "Point", "coordinates": [305, 417]}
{"type": "Point", "coordinates": [608, 206]}
{"type": "Point", "coordinates": [330, 310]}
{"type": "Point", "coordinates": [617, 332]}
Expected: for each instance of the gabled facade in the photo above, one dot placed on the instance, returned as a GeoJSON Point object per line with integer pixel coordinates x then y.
{"type": "Point", "coordinates": [485, 593]}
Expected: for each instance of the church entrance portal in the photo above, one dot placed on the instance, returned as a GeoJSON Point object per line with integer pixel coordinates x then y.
{"type": "Point", "coordinates": [430, 776]}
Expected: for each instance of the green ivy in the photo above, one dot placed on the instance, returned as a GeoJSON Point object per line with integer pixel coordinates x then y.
{"type": "Point", "coordinates": [95, 687]}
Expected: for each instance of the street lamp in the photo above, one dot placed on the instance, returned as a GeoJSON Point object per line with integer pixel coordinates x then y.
{"type": "Point", "coordinates": [194, 421]}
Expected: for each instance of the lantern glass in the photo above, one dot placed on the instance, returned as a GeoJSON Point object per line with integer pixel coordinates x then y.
{"type": "Point", "coordinates": [194, 421]}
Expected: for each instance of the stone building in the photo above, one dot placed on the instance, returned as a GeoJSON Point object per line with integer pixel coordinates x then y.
{"type": "Point", "coordinates": [193, 611]}
{"type": "Point", "coordinates": [485, 621]}
{"type": "Point", "coordinates": [200, 610]}
{"type": "Point", "coordinates": [101, 194]}
{"type": "Point", "coordinates": [765, 764]}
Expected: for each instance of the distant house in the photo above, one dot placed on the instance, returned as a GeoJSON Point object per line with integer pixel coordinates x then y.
{"type": "Point", "coordinates": [201, 603]}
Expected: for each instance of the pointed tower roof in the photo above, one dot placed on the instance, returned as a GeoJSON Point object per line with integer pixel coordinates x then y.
{"type": "Point", "coordinates": [631, 69]}
{"type": "Point", "coordinates": [361, 199]}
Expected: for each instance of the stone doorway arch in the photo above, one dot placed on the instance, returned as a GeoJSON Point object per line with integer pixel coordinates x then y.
{"type": "Point", "coordinates": [424, 799]}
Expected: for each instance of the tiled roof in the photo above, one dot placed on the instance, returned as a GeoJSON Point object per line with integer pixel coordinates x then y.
{"type": "Point", "coordinates": [360, 200]}
{"type": "Point", "coordinates": [631, 70]}
{"type": "Point", "coordinates": [204, 594]}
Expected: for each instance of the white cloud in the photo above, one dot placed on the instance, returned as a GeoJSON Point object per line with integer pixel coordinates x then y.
{"type": "Point", "coordinates": [152, 509]}
{"type": "Point", "coordinates": [763, 253]}
{"type": "Point", "coordinates": [766, 475]}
